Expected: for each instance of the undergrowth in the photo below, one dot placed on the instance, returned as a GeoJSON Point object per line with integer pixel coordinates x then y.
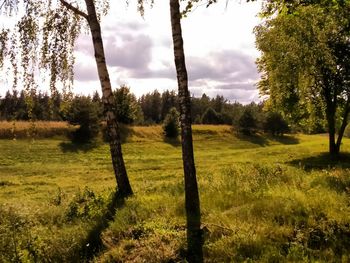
{"type": "Point", "coordinates": [59, 233]}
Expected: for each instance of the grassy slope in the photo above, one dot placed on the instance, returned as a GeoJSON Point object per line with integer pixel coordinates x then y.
{"type": "Point", "coordinates": [256, 202]}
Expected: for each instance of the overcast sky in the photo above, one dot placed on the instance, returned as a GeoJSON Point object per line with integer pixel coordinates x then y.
{"type": "Point", "coordinates": [219, 47]}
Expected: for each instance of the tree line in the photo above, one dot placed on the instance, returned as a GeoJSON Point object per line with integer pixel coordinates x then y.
{"type": "Point", "coordinates": [150, 108]}
{"type": "Point", "coordinates": [153, 107]}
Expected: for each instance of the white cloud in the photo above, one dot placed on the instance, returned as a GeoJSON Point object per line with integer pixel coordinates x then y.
{"type": "Point", "coordinates": [219, 46]}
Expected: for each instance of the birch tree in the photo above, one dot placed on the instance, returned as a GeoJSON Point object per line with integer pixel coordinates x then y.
{"type": "Point", "coordinates": [45, 36]}
{"type": "Point", "coordinates": [192, 202]}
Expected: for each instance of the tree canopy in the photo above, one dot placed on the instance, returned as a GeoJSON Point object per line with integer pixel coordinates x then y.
{"type": "Point", "coordinates": [305, 62]}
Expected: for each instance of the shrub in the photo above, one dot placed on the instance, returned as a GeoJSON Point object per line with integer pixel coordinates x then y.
{"type": "Point", "coordinates": [171, 124]}
{"type": "Point", "coordinates": [210, 116]}
{"type": "Point", "coordinates": [275, 124]}
{"type": "Point", "coordinates": [84, 112]}
{"type": "Point", "coordinates": [247, 123]}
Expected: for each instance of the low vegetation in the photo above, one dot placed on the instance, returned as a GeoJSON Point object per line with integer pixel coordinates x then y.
{"type": "Point", "coordinates": [37, 129]}
{"type": "Point", "coordinates": [264, 199]}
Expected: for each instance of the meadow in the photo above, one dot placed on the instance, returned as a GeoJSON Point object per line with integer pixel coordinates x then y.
{"type": "Point", "coordinates": [263, 199]}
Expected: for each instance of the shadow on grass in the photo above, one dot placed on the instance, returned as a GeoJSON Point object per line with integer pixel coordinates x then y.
{"type": "Point", "coordinates": [338, 184]}
{"type": "Point", "coordinates": [93, 243]}
{"type": "Point", "coordinates": [263, 139]}
{"type": "Point", "coordinates": [322, 161]}
{"type": "Point", "coordinates": [253, 138]}
{"type": "Point", "coordinates": [172, 141]}
{"type": "Point", "coordinates": [125, 132]}
{"type": "Point", "coordinates": [77, 147]}
{"type": "Point", "coordinates": [285, 139]}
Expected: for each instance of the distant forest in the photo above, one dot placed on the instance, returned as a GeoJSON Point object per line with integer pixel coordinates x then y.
{"type": "Point", "coordinates": [150, 108]}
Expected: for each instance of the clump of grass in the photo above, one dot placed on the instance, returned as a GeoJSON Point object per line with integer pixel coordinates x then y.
{"type": "Point", "coordinates": [269, 213]}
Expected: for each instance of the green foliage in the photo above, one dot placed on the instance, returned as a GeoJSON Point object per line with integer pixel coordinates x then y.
{"type": "Point", "coordinates": [151, 104]}
{"type": "Point", "coordinates": [210, 116]}
{"type": "Point", "coordinates": [15, 238]}
{"type": "Point", "coordinates": [126, 106]}
{"type": "Point", "coordinates": [275, 124]}
{"type": "Point", "coordinates": [171, 124]}
{"type": "Point", "coordinates": [54, 235]}
{"type": "Point", "coordinates": [247, 123]}
{"type": "Point", "coordinates": [84, 112]}
{"type": "Point", "coordinates": [305, 67]}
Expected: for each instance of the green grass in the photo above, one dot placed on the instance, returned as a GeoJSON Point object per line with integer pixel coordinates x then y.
{"type": "Point", "coordinates": [262, 199]}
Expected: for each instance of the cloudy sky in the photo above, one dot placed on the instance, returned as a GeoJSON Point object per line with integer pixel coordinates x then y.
{"type": "Point", "coordinates": [219, 46]}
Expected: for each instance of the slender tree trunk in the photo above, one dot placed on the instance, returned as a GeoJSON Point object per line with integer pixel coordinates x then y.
{"type": "Point", "coordinates": [343, 126]}
{"type": "Point", "coordinates": [193, 216]}
{"type": "Point", "coordinates": [330, 112]}
{"type": "Point", "coordinates": [124, 187]}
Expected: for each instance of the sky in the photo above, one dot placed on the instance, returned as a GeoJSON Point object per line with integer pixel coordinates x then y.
{"type": "Point", "coordinates": [219, 47]}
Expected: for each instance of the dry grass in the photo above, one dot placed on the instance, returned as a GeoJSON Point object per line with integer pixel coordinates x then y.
{"type": "Point", "coordinates": [38, 129]}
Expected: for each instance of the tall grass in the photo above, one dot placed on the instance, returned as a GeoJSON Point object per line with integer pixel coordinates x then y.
{"type": "Point", "coordinates": [38, 129]}
{"type": "Point", "coordinates": [263, 199]}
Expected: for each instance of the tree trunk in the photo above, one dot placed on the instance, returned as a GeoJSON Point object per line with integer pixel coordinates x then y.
{"type": "Point", "coordinates": [124, 187]}
{"type": "Point", "coordinates": [330, 112]}
{"type": "Point", "coordinates": [193, 216]}
{"type": "Point", "coordinates": [343, 126]}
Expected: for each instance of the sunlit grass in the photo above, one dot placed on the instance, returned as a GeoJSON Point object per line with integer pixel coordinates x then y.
{"type": "Point", "coordinates": [37, 129]}
{"type": "Point", "coordinates": [263, 199]}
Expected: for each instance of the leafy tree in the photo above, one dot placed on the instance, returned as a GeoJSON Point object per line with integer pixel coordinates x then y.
{"type": "Point", "coordinates": [275, 124]}
{"type": "Point", "coordinates": [169, 101]}
{"type": "Point", "coordinates": [218, 103]}
{"type": "Point", "coordinates": [247, 123]}
{"type": "Point", "coordinates": [84, 112]}
{"type": "Point", "coordinates": [307, 65]}
{"type": "Point", "coordinates": [126, 106]}
{"type": "Point", "coordinates": [171, 124]}
{"type": "Point", "coordinates": [151, 105]}
{"type": "Point", "coordinates": [8, 105]}
{"type": "Point", "coordinates": [236, 112]}
{"type": "Point", "coordinates": [98, 101]}
{"type": "Point", "coordinates": [199, 106]}
{"type": "Point", "coordinates": [210, 116]}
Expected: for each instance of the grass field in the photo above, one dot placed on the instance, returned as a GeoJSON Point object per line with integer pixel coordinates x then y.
{"type": "Point", "coordinates": [262, 200]}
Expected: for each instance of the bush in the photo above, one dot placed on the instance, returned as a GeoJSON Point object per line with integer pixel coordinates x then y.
{"type": "Point", "coordinates": [247, 123]}
{"type": "Point", "coordinates": [171, 124]}
{"type": "Point", "coordinates": [275, 124]}
{"type": "Point", "coordinates": [210, 116]}
{"type": "Point", "coordinates": [84, 112]}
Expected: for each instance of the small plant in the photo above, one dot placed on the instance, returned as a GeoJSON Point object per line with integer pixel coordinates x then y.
{"type": "Point", "coordinates": [171, 124]}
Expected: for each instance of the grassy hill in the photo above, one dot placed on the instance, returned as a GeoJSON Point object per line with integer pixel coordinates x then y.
{"type": "Point", "coordinates": [263, 199]}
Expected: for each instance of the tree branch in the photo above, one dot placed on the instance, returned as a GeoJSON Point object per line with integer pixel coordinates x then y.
{"type": "Point", "coordinates": [3, 3]}
{"type": "Point", "coordinates": [74, 9]}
